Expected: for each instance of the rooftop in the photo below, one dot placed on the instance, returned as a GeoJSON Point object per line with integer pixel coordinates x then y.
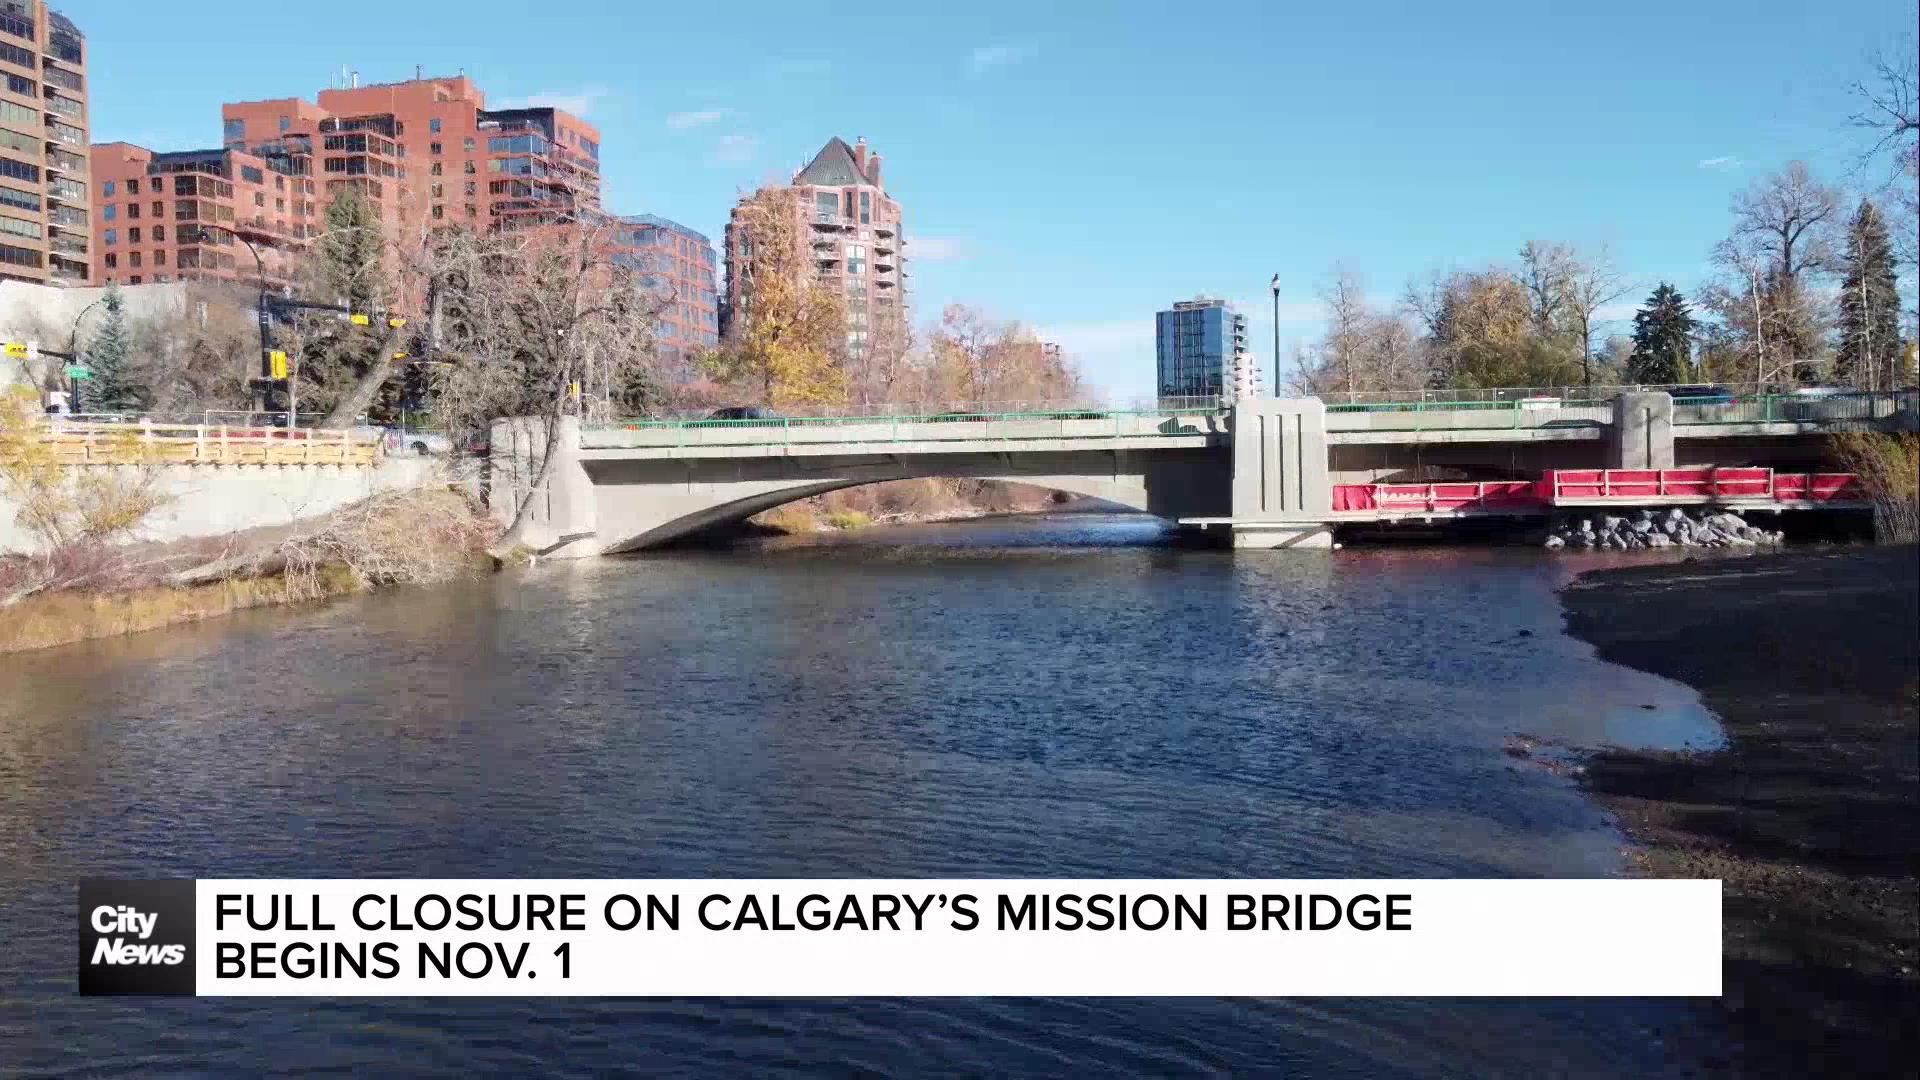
{"type": "Point", "coordinates": [833, 166]}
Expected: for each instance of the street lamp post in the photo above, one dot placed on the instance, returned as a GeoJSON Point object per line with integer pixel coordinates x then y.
{"type": "Point", "coordinates": [73, 350]}
{"type": "Point", "coordinates": [266, 350]}
{"type": "Point", "coordinates": [1275, 286]}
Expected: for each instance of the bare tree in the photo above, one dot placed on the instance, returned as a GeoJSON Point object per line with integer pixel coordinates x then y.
{"type": "Point", "coordinates": [1889, 107]}
{"type": "Point", "coordinates": [1343, 349]}
{"type": "Point", "coordinates": [1546, 269]}
{"type": "Point", "coordinates": [1786, 221]}
{"type": "Point", "coordinates": [537, 326]}
{"type": "Point", "coordinates": [1590, 282]}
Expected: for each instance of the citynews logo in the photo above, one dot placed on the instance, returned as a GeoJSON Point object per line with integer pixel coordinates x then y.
{"type": "Point", "coordinates": [136, 937]}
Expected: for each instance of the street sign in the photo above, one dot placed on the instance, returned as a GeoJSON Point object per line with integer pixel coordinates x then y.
{"type": "Point", "coordinates": [75, 371]}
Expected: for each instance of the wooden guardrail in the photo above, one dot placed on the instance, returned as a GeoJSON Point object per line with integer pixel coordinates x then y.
{"type": "Point", "coordinates": [206, 444]}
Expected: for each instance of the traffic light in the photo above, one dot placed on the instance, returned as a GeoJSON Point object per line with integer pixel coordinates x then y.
{"type": "Point", "coordinates": [20, 350]}
{"type": "Point", "coordinates": [357, 319]}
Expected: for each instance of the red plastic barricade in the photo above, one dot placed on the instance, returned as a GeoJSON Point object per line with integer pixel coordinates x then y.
{"type": "Point", "coordinates": [1816, 487]}
{"type": "Point", "coordinates": [1353, 497]}
{"type": "Point", "coordinates": [1585, 485]}
{"type": "Point", "coordinates": [1466, 495]}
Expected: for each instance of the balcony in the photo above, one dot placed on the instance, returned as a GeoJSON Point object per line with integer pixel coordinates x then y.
{"type": "Point", "coordinates": [70, 245]}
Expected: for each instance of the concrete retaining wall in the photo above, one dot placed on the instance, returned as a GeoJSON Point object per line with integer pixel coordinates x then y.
{"type": "Point", "coordinates": [212, 500]}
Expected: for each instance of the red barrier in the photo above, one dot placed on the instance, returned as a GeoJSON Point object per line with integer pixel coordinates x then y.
{"type": "Point", "coordinates": [1817, 487]}
{"type": "Point", "coordinates": [1441, 497]}
{"type": "Point", "coordinates": [1641, 484]}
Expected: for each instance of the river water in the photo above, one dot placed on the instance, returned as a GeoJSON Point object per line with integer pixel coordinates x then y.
{"type": "Point", "coordinates": [1062, 696]}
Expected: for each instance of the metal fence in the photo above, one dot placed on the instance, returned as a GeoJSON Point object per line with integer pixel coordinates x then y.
{"type": "Point", "coordinates": [1793, 408]}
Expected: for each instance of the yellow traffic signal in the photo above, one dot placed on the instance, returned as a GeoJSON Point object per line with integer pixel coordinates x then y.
{"type": "Point", "coordinates": [16, 350]}
{"type": "Point", "coordinates": [396, 323]}
{"type": "Point", "coordinates": [358, 319]}
{"type": "Point", "coordinates": [277, 364]}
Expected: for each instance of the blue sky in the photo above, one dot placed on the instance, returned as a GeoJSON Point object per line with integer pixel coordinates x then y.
{"type": "Point", "coordinates": [1079, 165]}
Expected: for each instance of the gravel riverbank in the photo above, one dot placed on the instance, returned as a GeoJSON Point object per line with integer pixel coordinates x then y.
{"type": "Point", "coordinates": [1811, 815]}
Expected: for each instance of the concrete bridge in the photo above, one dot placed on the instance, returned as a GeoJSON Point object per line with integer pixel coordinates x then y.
{"type": "Point", "coordinates": [1269, 471]}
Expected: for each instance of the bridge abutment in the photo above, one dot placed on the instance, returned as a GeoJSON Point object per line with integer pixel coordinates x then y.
{"type": "Point", "coordinates": [561, 503]}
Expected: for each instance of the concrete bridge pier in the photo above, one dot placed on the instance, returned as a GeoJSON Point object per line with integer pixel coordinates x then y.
{"type": "Point", "coordinates": [1642, 431]}
{"type": "Point", "coordinates": [1281, 495]}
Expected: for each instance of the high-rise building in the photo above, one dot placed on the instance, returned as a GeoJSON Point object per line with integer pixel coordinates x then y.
{"type": "Point", "coordinates": [852, 242]}
{"type": "Point", "coordinates": [1195, 345]}
{"type": "Point", "coordinates": [678, 264]}
{"type": "Point", "coordinates": [426, 152]}
{"type": "Point", "coordinates": [150, 209]}
{"type": "Point", "coordinates": [44, 224]}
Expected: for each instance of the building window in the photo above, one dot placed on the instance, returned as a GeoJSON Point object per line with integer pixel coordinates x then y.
{"type": "Point", "coordinates": [159, 234]}
{"type": "Point", "coordinates": [106, 189]}
{"type": "Point", "coordinates": [159, 209]}
{"type": "Point", "coordinates": [439, 212]}
{"type": "Point", "coordinates": [159, 258]}
{"type": "Point", "coordinates": [259, 198]}
{"type": "Point", "coordinates": [826, 205]}
{"type": "Point", "coordinates": [133, 236]}
{"type": "Point", "coordinates": [467, 145]}
{"type": "Point", "coordinates": [133, 187]}
{"type": "Point", "coordinates": [235, 131]}
{"type": "Point", "coordinates": [433, 125]}
{"type": "Point", "coordinates": [252, 175]}
{"type": "Point", "coordinates": [469, 169]}
{"type": "Point", "coordinates": [111, 236]}
{"type": "Point", "coordinates": [133, 259]}
{"type": "Point", "coordinates": [286, 122]}
{"type": "Point", "coordinates": [133, 210]}
{"type": "Point", "coordinates": [109, 213]}
{"type": "Point", "coordinates": [866, 208]}
{"type": "Point", "coordinates": [434, 148]}
{"type": "Point", "coordinates": [113, 260]}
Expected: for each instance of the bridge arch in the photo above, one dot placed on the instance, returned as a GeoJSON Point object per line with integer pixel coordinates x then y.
{"type": "Point", "coordinates": [640, 504]}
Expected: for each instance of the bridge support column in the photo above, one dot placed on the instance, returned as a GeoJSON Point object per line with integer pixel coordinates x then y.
{"type": "Point", "coordinates": [1642, 431]}
{"type": "Point", "coordinates": [559, 522]}
{"type": "Point", "coordinates": [1281, 496]}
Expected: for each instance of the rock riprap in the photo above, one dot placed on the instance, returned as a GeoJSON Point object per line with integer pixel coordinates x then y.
{"type": "Point", "coordinates": [1673, 527]}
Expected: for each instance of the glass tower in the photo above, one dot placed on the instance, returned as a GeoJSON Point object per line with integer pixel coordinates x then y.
{"type": "Point", "coordinates": [1195, 343]}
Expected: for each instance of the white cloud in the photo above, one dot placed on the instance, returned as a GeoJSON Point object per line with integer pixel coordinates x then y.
{"type": "Point", "coordinates": [681, 121]}
{"type": "Point", "coordinates": [937, 248]}
{"type": "Point", "coordinates": [987, 57]}
{"type": "Point", "coordinates": [733, 149]}
{"type": "Point", "coordinates": [1609, 313]}
{"type": "Point", "coordinates": [578, 102]}
{"type": "Point", "coordinates": [1727, 161]}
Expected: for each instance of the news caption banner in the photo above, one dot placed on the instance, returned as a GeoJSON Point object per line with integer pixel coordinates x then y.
{"type": "Point", "coordinates": [839, 938]}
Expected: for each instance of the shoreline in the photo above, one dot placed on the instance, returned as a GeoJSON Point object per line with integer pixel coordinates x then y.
{"type": "Point", "coordinates": [1811, 813]}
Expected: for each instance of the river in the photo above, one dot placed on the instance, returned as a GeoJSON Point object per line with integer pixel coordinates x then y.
{"type": "Point", "coordinates": [1059, 696]}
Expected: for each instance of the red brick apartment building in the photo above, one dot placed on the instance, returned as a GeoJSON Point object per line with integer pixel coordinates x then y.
{"type": "Point", "coordinates": [425, 152]}
{"type": "Point", "coordinates": [854, 241]}
{"type": "Point", "coordinates": [44, 224]}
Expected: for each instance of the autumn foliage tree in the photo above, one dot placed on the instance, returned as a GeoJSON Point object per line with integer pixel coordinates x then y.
{"type": "Point", "coordinates": [788, 345]}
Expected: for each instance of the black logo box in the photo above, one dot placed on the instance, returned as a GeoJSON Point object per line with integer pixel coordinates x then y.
{"type": "Point", "coordinates": [173, 903]}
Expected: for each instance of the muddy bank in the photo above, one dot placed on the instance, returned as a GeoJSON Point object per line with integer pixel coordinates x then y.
{"type": "Point", "coordinates": [1811, 815]}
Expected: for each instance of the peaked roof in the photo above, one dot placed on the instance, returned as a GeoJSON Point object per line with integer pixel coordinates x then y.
{"type": "Point", "coordinates": [833, 166]}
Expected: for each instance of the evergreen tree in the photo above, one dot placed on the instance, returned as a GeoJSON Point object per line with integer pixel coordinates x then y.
{"type": "Point", "coordinates": [1662, 339]}
{"type": "Point", "coordinates": [1870, 345]}
{"type": "Point", "coordinates": [114, 387]}
{"type": "Point", "coordinates": [353, 251]}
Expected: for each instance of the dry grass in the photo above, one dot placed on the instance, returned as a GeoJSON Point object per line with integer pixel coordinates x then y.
{"type": "Point", "coordinates": [1889, 466]}
{"type": "Point", "coordinates": [415, 537]}
{"type": "Point", "coordinates": [62, 618]}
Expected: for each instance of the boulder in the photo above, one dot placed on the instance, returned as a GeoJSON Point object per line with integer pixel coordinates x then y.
{"type": "Point", "coordinates": [1659, 540]}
